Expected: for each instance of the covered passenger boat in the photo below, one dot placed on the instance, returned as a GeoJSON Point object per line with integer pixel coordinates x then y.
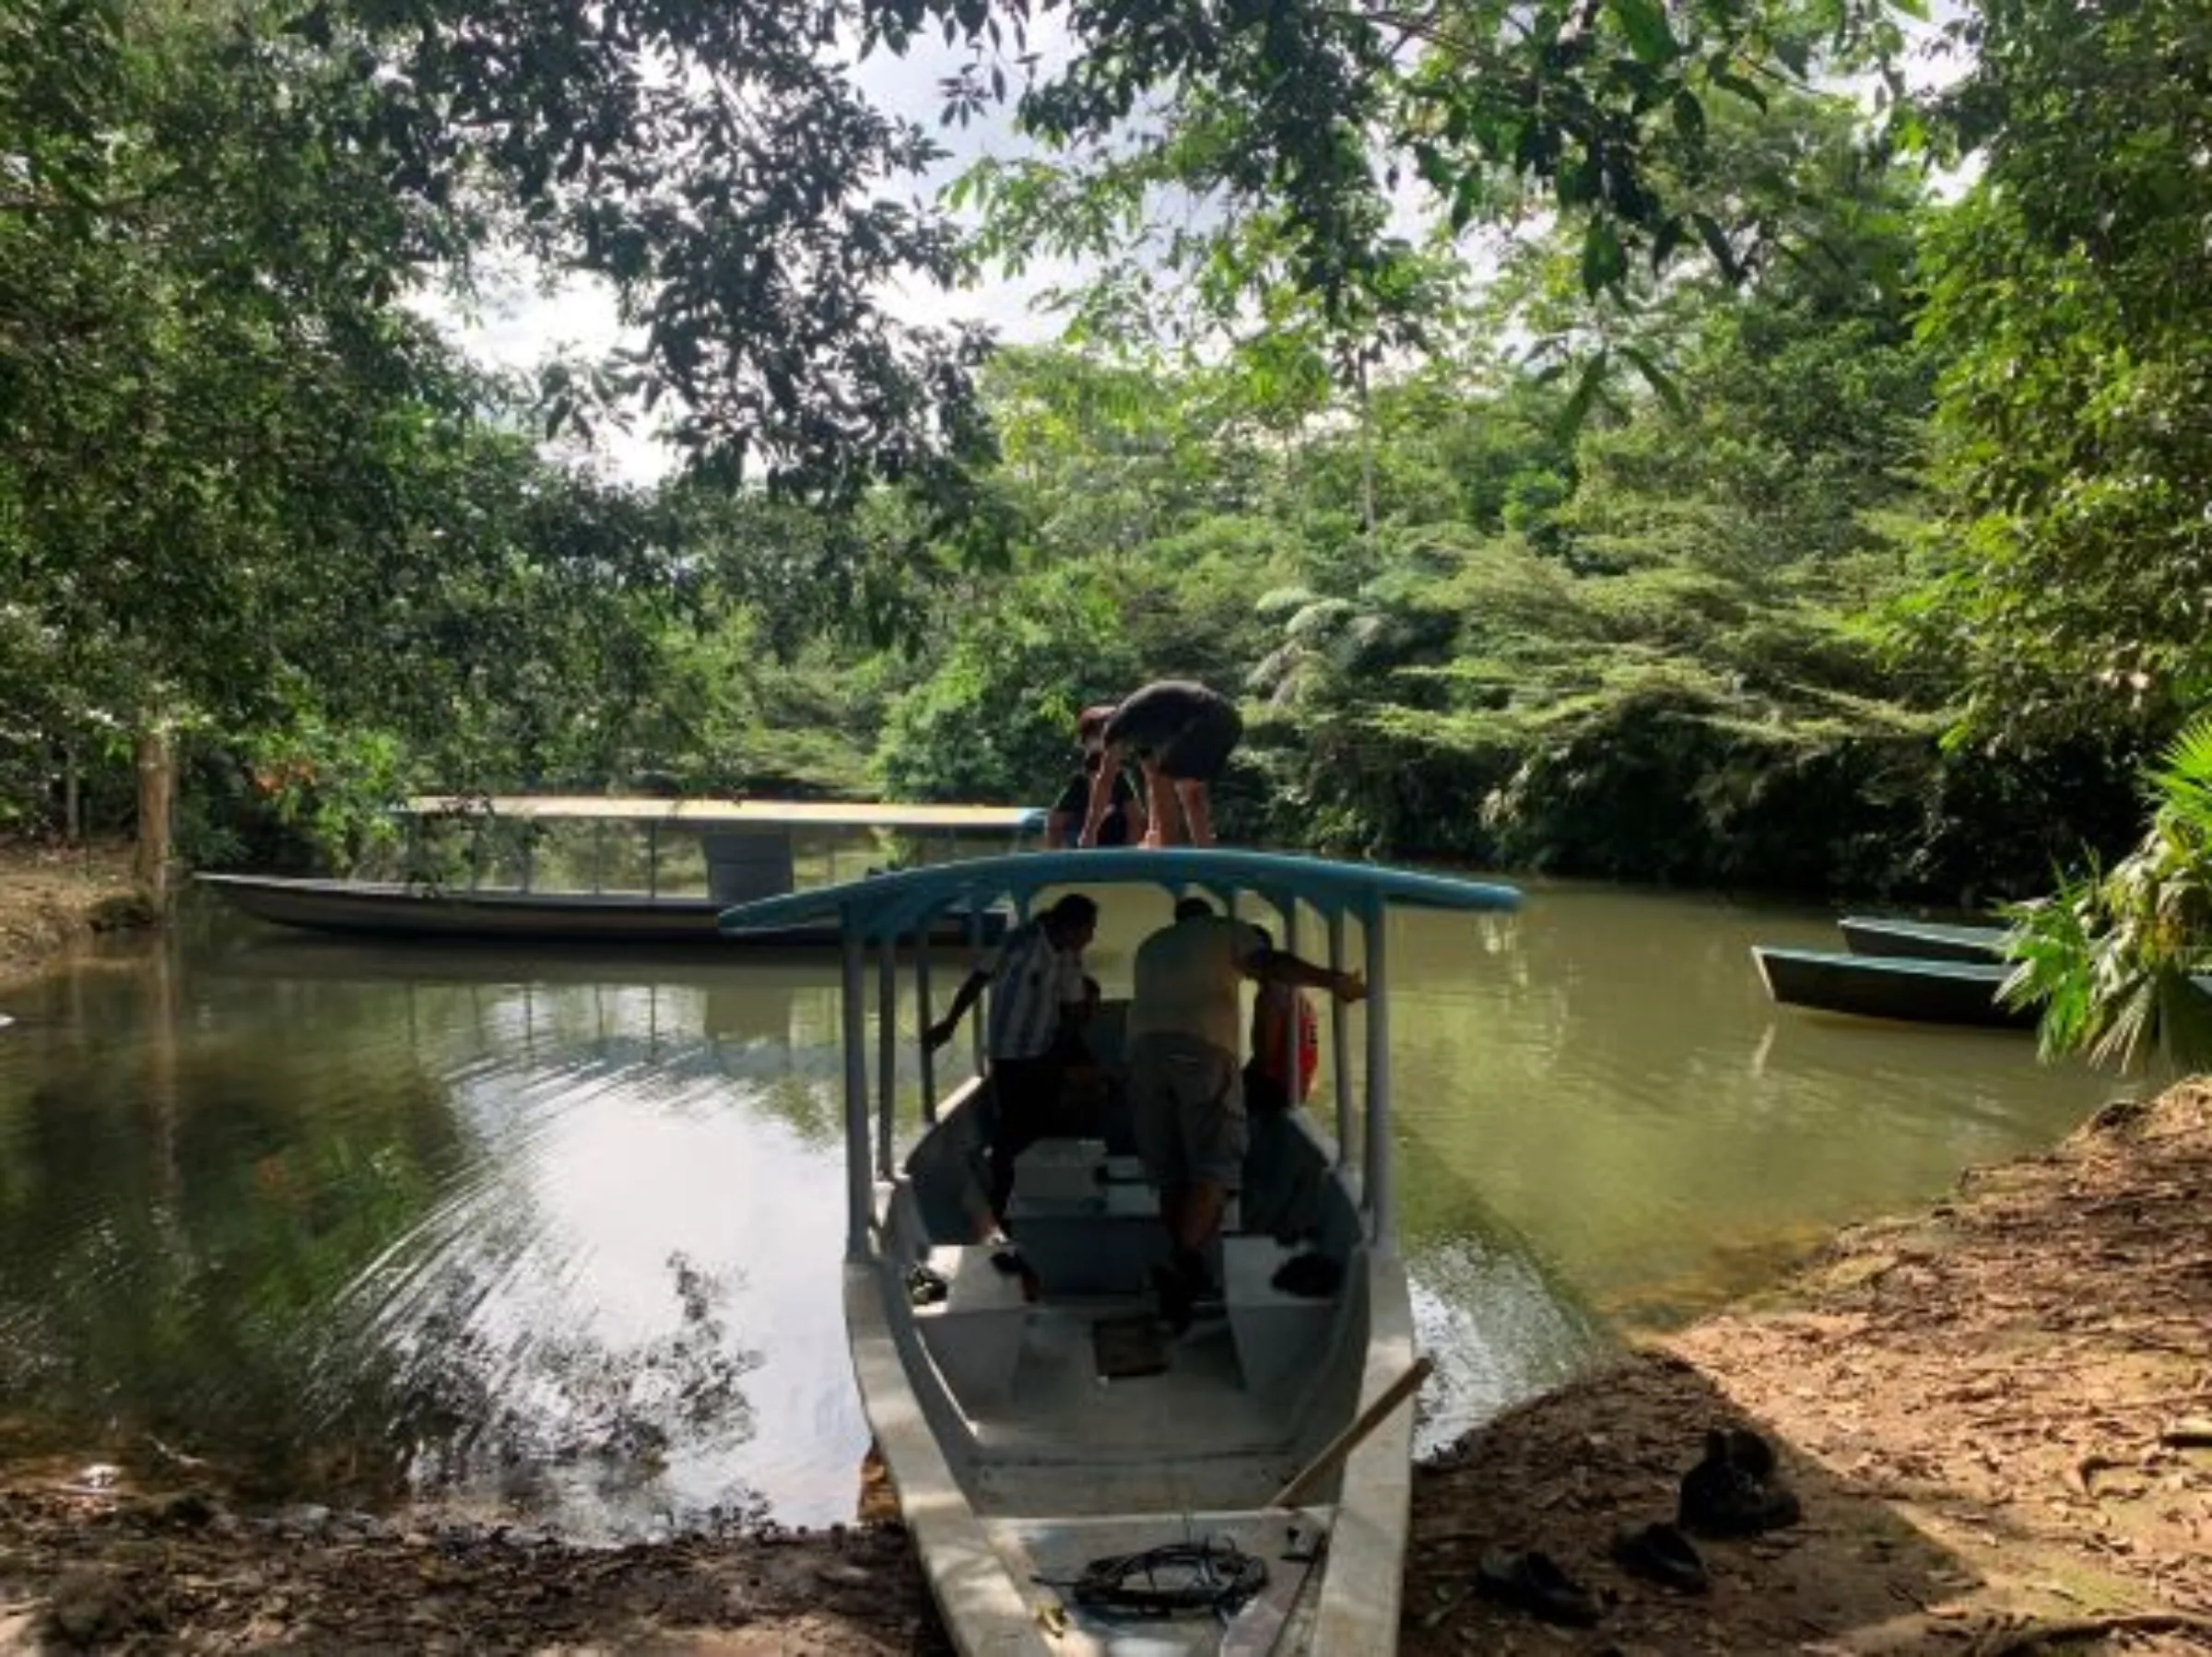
{"type": "Point", "coordinates": [1071, 1473]}
{"type": "Point", "coordinates": [630, 870]}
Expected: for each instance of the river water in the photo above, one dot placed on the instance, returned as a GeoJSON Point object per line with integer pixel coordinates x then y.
{"type": "Point", "coordinates": [555, 1237]}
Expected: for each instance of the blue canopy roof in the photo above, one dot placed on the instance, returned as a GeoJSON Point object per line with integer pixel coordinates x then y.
{"type": "Point", "coordinates": [885, 906]}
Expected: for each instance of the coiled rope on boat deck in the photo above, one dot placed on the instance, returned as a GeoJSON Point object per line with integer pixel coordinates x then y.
{"type": "Point", "coordinates": [1178, 1579]}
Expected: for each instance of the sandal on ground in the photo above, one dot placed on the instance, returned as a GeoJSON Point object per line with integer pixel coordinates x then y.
{"type": "Point", "coordinates": [1535, 1584]}
{"type": "Point", "coordinates": [1661, 1554]}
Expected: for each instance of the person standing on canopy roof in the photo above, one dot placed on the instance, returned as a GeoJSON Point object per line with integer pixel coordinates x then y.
{"type": "Point", "coordinates": [1181, 734]}
{"type": "Point", "coordinates": [1124, 818]}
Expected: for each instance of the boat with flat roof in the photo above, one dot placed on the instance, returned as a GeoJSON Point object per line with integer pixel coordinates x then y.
{"type": "Point", "coordinates": [592, 869]}
{"type": "Point", "coordinates": [1071, 1470]}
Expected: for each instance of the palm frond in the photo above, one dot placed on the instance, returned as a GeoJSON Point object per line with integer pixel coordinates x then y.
{"type": "Point", "coordinates": [2183, 778]}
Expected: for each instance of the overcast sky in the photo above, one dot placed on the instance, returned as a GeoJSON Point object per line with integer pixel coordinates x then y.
{"type": "Point", "coordinates": [520, 326]}
{"type": "Point", "coordinates": [517, 325]}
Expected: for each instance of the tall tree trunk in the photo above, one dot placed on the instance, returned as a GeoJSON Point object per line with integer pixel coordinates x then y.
{"type": "Point", "coordinates": [156, 789]}
{"type": "Point", "coordinates": [1367, 457]}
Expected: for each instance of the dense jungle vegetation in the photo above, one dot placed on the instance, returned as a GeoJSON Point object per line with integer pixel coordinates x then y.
{"type": "Point", "coordinates": [1594, 436]}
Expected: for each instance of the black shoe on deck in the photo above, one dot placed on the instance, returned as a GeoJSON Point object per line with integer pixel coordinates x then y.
{"type": "Point", "coordinates": [1176, 1299]}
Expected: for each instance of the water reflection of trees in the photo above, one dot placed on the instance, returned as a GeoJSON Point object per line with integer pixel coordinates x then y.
{"type": "Point", "coordinates": [197, 1175]}
{"type": "Point", "coordinates": [476, 1413]}
{"type": "Point", "coordinates": [177, 1212]}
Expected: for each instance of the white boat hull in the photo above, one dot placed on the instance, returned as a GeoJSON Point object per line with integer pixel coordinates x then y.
{"type": "Point", "coordinates": [1013, 1460]}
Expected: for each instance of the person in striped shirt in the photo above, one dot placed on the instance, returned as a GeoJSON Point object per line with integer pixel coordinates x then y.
{"type": "Point", "coordinates": [1036, 996]}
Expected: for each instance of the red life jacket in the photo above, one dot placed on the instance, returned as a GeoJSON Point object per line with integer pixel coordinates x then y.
{"type": "Point", "coordinates": [1268, 1041]}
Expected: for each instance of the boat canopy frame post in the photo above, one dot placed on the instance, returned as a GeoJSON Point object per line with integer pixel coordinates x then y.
{"type": "Point", "coordinates": [922, 1021]}
{"type": "Point", "coordinates": [979, 1016]}
{"type": "Point", "coordinates": [860, 1189]}
{"type": "Point", "coordinates": [1374, 1174]}
{"type": "Point", "coordinates": [1294, 1050]}
{"type": "Point", "coordinates": [887, 1053]}
{"type": "Point", "coordinates": [1340, 1043]}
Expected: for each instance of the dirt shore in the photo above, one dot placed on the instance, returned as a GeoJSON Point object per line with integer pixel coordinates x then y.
{"type": "Point", "coordinates": [1997, 1415]}
{"type": "Point", "coordinates": [51, 897]}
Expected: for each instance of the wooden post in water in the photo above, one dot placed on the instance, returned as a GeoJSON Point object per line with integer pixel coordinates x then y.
{"type": "Point", "coordinates": [157, 791]}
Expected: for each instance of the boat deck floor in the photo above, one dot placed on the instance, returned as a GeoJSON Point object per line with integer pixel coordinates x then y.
{"type": "Point", "coordinates": [1188, 1438]}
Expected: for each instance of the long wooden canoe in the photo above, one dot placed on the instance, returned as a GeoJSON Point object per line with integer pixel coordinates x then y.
{"type": "Point", "coordinates": [1921, 940]}
{"type": "Point", "coordinates": [1041, 1434]}
{"type": "Point", "coordinates": [1921, 991]}
{"type": "Point", "coordinates": [390, 909]}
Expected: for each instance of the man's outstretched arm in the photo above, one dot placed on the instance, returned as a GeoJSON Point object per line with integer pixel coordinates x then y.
{"type": "Point", "coordinates": [1280, 966]}
{"type": "Point", "coordinates": [963, 998]}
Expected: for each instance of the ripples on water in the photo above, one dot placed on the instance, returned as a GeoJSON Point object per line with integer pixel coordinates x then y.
{"type": "Point", "coordinates": [558, 1237]}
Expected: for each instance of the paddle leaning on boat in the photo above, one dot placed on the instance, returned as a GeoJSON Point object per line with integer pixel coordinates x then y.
{"type": "Point", "coordinates": [1072, 1475]}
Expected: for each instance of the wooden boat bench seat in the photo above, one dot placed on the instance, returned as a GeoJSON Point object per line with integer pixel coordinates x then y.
{"type": "Point", "coordinates": [974, 1334]}
{"type": "Point", "coordinates": [1277, 1337]}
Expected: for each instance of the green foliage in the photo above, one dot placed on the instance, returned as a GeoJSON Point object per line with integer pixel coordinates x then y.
{"type": "Point", "coordinates": [2113, 956]}
{"type": "Point", "coordinates": [996, 721]}
{"type": "Point", "coordinates": [2070, 292]}
{"type": "Point", "coordinates": [1290, 124]}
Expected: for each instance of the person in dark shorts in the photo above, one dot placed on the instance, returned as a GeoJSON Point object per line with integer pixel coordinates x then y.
{"type": "Point", "coordinates": [1036, 988]}
{"type": "Point", "coordinates": [1125, 820]}
{"type": "Point", "coordinates": [1181, 734]}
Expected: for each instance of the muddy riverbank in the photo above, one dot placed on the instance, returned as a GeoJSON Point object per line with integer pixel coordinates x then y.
{"type": "Point", "coordinates": [51, 897]}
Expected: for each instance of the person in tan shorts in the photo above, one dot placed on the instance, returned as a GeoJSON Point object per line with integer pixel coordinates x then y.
{"type": "Point", "coordinates": [1186, 1091]}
